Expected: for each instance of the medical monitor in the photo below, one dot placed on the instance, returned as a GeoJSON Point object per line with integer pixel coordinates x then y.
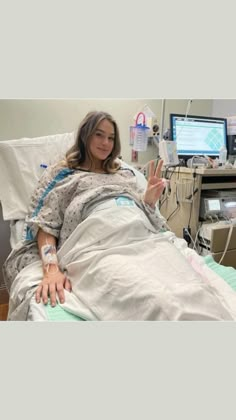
{"type": "Point", "coordinates": [198, 135]}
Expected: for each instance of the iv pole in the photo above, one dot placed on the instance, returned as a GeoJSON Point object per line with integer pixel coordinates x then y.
{"type": "Point", "coordinates": [163, 103]}
{"type": "Point", "coordinates": [155, 141]}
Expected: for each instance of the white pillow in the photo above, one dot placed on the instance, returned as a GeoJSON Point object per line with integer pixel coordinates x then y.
{"type": "Point", "coordinates": [141, 180]}
{"type": "Point", "coordinates": [20, 169]}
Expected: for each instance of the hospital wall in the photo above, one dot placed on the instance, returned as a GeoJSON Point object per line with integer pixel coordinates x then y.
{"type": "Point", "coordinates": [224, 107]}
{"type": "Point", "coordinates": [39, 117]}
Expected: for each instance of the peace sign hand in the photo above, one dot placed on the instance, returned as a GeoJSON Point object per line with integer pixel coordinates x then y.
{"type": "Point", "coordinates": [155, 184]}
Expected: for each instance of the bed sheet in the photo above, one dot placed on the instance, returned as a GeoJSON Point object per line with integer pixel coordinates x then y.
{"type": "Point", "coordinates": [205, 266]}
{"type": "Point", "coordinates": [157, 284]}
{"type": "Point", "coordinates": [42, 313]}
{"type": "Point", "coordinates": [16, 232]}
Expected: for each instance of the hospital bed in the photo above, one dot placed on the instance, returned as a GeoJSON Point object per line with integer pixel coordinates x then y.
{"type": "Point", "coordinates": [22, 162]}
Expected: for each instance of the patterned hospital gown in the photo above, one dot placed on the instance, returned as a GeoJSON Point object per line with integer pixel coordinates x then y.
{"type": "Point", "coordinates": [63, 199]}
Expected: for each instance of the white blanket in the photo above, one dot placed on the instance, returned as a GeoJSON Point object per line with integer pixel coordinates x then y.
{"type": "Point", "coordinates": [121, 269]}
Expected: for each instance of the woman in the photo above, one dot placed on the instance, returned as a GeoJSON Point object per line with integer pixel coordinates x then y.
{"type": "Point", "coordinates": [95, 151]}
{"type": "Point", "coordinates": [100, 236]}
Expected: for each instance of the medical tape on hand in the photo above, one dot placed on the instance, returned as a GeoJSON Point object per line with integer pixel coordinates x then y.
{"type": "Point", "coordinates": [49, 256]}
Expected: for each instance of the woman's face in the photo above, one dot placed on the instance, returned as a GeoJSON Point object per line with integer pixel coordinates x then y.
{"type": "Point", "coordinates": [102, 141]}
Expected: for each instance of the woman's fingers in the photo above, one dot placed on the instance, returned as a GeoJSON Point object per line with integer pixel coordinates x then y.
{"type": "Point", "coordinates": [52, 294]}
{"type": "Point", "coordinates": [157, 188]}
{"type": "Point", "coordinates": [151, 169]}
{"type": "Point", "coordinates": [45, 293]}
{"type": "Point", "coordinates": [67, 285]}
{"type": "Point", "coordinates": [38, 293]}
{"type": "Point", "coordinates": [60, 292]}
{"type": "Point", "coordinates": [158, 184]}
{"type": "Point", "coordinates": [158, 169]}
{"type": "Point", "coordinates": [53, 288]}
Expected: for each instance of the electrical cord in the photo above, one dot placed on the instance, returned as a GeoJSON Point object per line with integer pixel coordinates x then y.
{"type": "Point", "coordinates": [192, 198]}
{"type": "Point", "coordinates": [187, 234]}
{"type": "Point", "coordinates": [217, 218]}
{"type": "Point", "coordinates": [227, 242]}
{"type": "Point", "coordinates": [210, 217]}
{"type": "Point", "coordinates": [204, 242]}
{"type": "Point", "coordinates": [177, 200]}
{"type": "Point", "coordinates": [163, 201]}
{"type": "Point", "coordinates": [174, 211]}
{"type": "Point", "coordinates": [195, 246]}
{"type": "Point", "coordinates": [167, 190]}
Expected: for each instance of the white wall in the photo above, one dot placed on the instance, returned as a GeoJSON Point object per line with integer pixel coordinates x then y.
{"type": "Point", "coordinates": [36, 117]}
{"type": "Point", "coordinates": [223, 107]}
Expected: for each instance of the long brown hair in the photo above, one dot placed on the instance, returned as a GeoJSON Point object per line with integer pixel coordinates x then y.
{"type": "Point", "coordinates": [79, 152]}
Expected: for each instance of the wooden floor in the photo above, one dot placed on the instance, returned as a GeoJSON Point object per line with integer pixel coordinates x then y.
{"type": "Point", "coordinates": [4, 299]}
{"type": "Point", "coordinates": [3, 312]}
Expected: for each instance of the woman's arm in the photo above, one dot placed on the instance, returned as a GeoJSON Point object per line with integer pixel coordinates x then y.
{"type": "Point", "coordinates": [54, 281]}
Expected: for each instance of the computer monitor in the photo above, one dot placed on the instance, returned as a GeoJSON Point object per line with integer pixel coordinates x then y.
{"type": "Point", "coordinates": [198, 135]}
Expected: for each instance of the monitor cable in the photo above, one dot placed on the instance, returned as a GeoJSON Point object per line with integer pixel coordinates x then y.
{"type": "Point", "coordinates": [191, 197]}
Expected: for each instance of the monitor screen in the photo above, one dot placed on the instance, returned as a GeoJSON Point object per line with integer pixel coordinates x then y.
{"type": "Point", "coordinates": [198, 135]}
